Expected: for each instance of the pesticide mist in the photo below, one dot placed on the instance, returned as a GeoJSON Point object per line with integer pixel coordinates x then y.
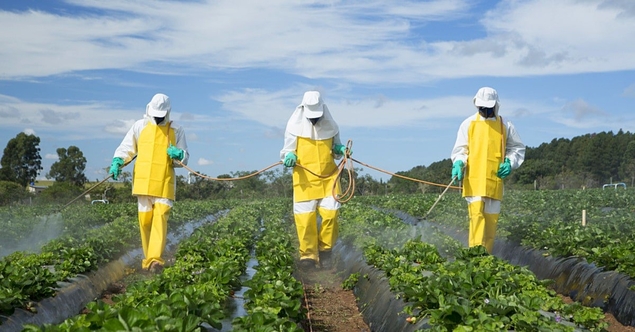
{"type": "Point", "coordinates": [43, 230]}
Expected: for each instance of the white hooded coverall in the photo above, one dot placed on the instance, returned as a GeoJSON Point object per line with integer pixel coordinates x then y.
{"type": "Point", "coordinates": [313, 145]}
{"type": "Point", "coordinates": [154, 181]}
{"type": "Point", "coordinates": [482, 144]}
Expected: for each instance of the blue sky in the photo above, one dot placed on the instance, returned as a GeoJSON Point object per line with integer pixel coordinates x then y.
{"type": "Point", "coordinates": [398, 76]}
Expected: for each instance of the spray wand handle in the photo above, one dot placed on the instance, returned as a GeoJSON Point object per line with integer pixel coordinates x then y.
{"type": "Point", "coordinates": [439, 198]}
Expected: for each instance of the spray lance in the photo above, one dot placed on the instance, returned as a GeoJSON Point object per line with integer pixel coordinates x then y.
{"type": "Point", "coordinates": [443, 193]}
{"type": "Point", "coordinates": [439, 198]}
{"type": "Point", "coordinates": [92, 188]}
{"type": "Point", "coordinates": [424, 219]}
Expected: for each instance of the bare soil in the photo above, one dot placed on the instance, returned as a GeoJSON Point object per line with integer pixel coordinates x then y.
{"type": "Point", "coordinates": [614, 324]}
{"type": "Point", "coordinates": [330, 307]}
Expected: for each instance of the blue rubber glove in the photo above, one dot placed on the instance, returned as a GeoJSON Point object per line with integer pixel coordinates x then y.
{"type": "Point", "coordinates": [504, 169]}
{"type": "Point", "coordinates": [175, 153]}
{"type": "Point", "coordinates": [341, 150]}
{"type": "Point", "coordinates": [115, 167]}
{"type": "Point", "coordinates": [290, 159]}
{"type": "Point", "coordinates": [457, 170]}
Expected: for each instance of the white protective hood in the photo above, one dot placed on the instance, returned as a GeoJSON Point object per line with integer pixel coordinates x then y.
{"type": "Point", "coordinates": [159, 106]}
{"type": "Point", "coordinates": [487, 97]}
{"type": "Point", "coordinates": [300, 126]}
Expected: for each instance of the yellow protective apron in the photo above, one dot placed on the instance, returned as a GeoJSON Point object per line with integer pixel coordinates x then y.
{"type": "Point", "coordinates": [154, 176]}
{"type": "Point", "coordinates": [316, 156]}
{"type": "Point", "coordinates": [153, 173]}
{"type": "Point", "coordinates": [486, 146]}
{"type": "Point", "coordinates": [485, 154]}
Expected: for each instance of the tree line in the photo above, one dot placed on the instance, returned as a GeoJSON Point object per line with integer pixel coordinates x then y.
{"type": "Point", "coordinates": [586, 161]}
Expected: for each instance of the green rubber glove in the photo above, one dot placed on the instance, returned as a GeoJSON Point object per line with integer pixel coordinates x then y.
{"type": "Point", "coordinates": [115, 167]}
{"type": "Point", "coordinates": [504, 169]}
{"type": "Point", "coordinates": [290, 159]}
{"type": "Point", "coordinates": [341, 150]}
{"type": "Point", "coordinates": [457, 170]}
{"type": "Point", "coordinates": [175, 153]}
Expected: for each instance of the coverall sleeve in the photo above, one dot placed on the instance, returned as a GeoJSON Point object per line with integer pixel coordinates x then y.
{"type": "Point", "coordinates": [128, 147]}
{"type": "Point", "coordinates": [337, 141]}
{"type": "Point", "coordinates": [460, 150]}
{"type": "Point", "coordinates": [514, 149]}
{"type": "Point", "coordinates": [181, 143]}
{"type": "Point", "coordinates": [290, 144]}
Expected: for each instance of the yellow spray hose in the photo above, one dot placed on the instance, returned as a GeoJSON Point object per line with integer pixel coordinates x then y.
{"type": "Point", "coordinates": [346, 163]}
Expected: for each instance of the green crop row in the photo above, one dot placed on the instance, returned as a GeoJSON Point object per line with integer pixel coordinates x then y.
{"type": "Point", "coordinates": [274, 299]}
{"type": "Point", "coordinates": [550, 221]}
{"type": "Point", "coordinates": [206, 272]}
{"type": "Point", "coordinates": [187, 294]}
{"type": "Point", "coordinates": [28, 277]}
{"type": "Point", "coordinates": [472, 291]}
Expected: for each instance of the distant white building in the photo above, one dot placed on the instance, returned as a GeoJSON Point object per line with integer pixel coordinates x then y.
{"type": "Point", "coordinates": [32, 188]}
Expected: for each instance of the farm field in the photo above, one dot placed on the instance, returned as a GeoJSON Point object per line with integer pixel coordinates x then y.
{"type": "Point", "coordinates": [432, 282]}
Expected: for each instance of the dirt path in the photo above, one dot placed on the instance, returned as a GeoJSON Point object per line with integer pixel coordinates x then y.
{"type": "Point", "coordinates": [330, 308]}
{"type": "Point", "coordinates": [615, 326]}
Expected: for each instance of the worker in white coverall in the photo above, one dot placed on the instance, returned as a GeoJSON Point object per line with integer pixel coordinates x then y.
{"type": "Point", "coordinates": [156, 143]}
{"type": "Point", "coordinates": [486, 151]}
{"type": "Point", "coordinates": [312, 140]}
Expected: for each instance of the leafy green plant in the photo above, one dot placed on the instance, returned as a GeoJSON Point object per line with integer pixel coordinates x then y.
{"type": "Point", "coordinates": [350, 282]}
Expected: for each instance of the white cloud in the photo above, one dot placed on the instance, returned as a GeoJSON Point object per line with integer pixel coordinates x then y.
{"type": "Point", "coordinates": [567, 36]}
{"type": "Point", "coordinates": [629, 91]}
{"type": "Point", "coordinates": [90, 120]}
{"type": "Point", "coordinates": [274, 132]}
{"type": "Point", "coordinates": [119, 126]}
{"type": "Point", "coordinates": [29, 131]}
{"type": "Point", "coordinates": [192, 137]}
{"type": "Point", "coordinates": [580, 114]}
{"type": "Point", "coordinates": [51, 156]}
{"type": "Point", "coordinates": [79, 120]}
{"type": "Point", "coordinates": [207, 48]}
{"type": "Point", "coordinates": [204, 162]}
{"type": "Point", "coordinates": [364, 41]}
{"type": "Point", "coordinates": [274, 108]}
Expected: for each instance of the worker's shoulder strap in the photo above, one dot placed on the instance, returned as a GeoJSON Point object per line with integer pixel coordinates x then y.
{"type": "Point", "coordinates": [503, 138]}
{"type": "Point", "coordinates": [168, 132]}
